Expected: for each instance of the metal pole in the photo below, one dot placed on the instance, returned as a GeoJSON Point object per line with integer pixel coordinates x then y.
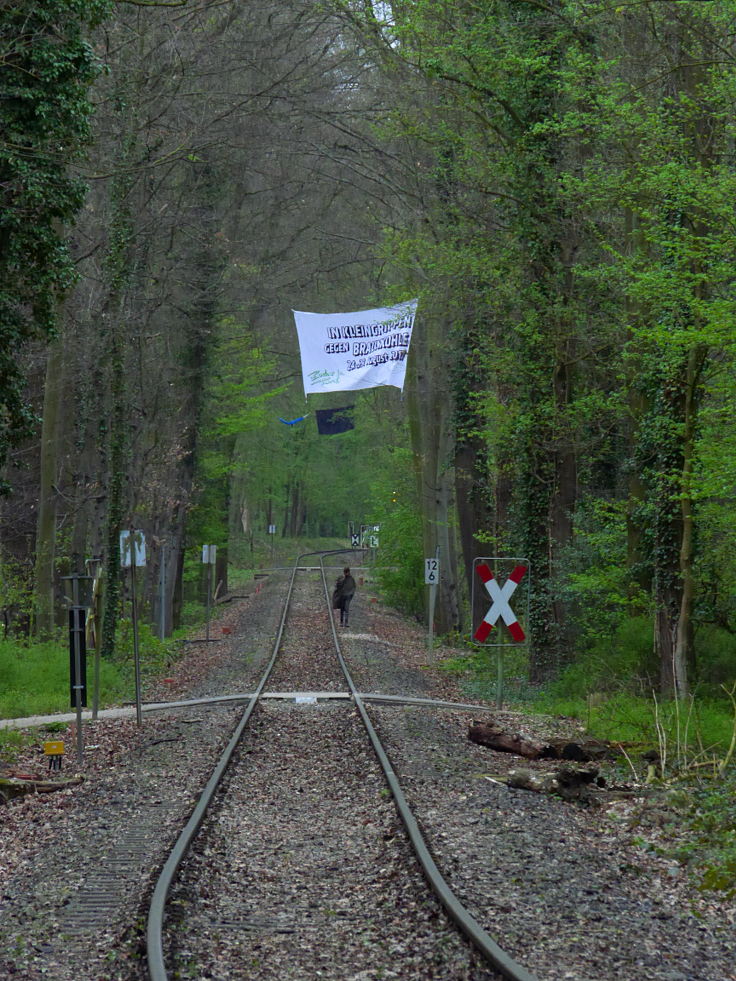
{"type": "Point", "coordinates": [209, 596]}
{"type": "Point", "coordinates": [432, 601]}
{"type": "Point", "coordinates": [162, 595]}
{"type": "Point", "coordinates": [136, 653]}
{"type": "Point", "coordinates": [94, 571]}
{"type": "Point", "coordinates": [97, 610]}
{"type": "Point", "coordinates": [499, 680]}
{"type": "Point", "coordinates": [76, 626]}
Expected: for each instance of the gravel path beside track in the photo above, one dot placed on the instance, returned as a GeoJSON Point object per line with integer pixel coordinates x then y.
{"type": "Point", "coordinates": [76, 865]}
{"type": "Point", "coordinates": [542, 876]}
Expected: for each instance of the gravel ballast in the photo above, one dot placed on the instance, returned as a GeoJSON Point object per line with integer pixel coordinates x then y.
{"type": "Point", "coordinates": [562, 888]}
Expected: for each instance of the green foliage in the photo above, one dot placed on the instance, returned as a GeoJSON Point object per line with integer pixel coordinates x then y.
{"type": "Point", "coordinates": [578, 237]}
{"type": "Point", "coordinates": [395, 508]}
{"type": "Point", "coordinates": [711, 819]}
{"type": "Point", "coordinates": [596, 582]}
{"type": "Point", "coordinates": [716, 658]}
{"type": "Point", "coordinates": [16, 597]}
{"type": "Point", "coordinates": [47, 67]}
{"type": "Point", "coordinates": [237, 403]}
{"type": "Point", "coordinates": [623, 661]}
{"type": "Point", "coordinates": [478, 671]}
{"type": "Point", "coordinates": [155, 654]}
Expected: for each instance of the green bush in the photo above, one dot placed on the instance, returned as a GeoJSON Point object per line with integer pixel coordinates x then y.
{"type": "Point", "coordinates": [400, 571]}
{"type": "Point", "coordinates": [155, 654]}
{"type": "Point", "coordinates": [715, 661]}
{"type": "Point", "coordinates": [16, 596]}
{"type": "Point", "coordinates": [622, 662]}
{"type": "Point", "coordinates": [595, 580]}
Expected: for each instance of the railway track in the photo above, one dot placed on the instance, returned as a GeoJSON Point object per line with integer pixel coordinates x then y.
{"type": "Point", "coordinates": [313, 872]}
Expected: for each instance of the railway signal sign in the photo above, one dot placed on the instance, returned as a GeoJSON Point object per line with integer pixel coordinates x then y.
{"type": "Point", "coordinates": [369, 535]}
{"type": "Point", "coordinates": [500, 607]}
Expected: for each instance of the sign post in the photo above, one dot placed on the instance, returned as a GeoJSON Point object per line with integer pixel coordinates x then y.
{"type": "Point", "coordinates": [93, 627]}
{"type": "Point", "coordinates": [132, 556]}
{"type": "Point", "coordinates": [209, 557]}
{"type": "Point", "coordinates": [431, 579]}
{"type": "Point", "coordinates": [163, 559]}
{"type": "Point", "coordinates": [77, 657]}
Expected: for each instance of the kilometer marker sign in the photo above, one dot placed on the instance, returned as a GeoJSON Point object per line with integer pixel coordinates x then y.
{"type": "Point", "coordinates": [500, 607]}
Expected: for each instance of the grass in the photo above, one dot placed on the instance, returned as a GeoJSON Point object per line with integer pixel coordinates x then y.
{"type": "Point", "coordinates": [34, 679]}
{"type": "Point", "coordinates": [12, 743]}
{"type": "Point", "coordinates": [697, 728]}
{"type": "Point", "coordinates": [267, 553]}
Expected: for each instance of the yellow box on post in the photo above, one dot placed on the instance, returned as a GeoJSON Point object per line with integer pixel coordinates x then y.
{"type": "Point", "coordinates": [54, 749]}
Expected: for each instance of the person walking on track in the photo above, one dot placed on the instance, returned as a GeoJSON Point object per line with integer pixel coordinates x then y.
{"type": "Point", "coordinates": [343, 594]}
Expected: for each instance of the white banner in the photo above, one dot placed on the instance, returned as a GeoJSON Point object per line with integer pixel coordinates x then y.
{"type": "Point", "coordinates": [345, 351]}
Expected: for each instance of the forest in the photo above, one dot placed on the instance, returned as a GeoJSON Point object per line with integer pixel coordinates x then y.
{"type": "Point", "coordinates": [553, 179]}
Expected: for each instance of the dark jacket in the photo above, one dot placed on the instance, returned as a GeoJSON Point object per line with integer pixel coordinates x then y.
{"type": "Point", "coordinates": [344, 589]}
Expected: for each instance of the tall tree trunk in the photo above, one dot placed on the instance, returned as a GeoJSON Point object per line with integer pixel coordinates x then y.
{"type": "Point", "coordinates": [683, 651]}
{"type": "Point", "coordinates": [46, 524]}
{"type": "Point", "coordinates": [429, 404]}
{"type": "Point", "coordinates": [116, 486]}
{"type": "Point", "coordinates": [473, 485]}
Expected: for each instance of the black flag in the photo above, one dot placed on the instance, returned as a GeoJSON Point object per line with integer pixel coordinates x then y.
{"type": "Point", "coordinates": [330, 422]}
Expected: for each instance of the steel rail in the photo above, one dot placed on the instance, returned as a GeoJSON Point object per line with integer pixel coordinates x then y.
{"type": "Point", "coordinates": [469, 926]}
{"type": "Point", "coordinates": [157, 908]}
{"type": "Point", "coordinates": [483, 942]}
{"type": "Point", "coordinates": [154, 930]}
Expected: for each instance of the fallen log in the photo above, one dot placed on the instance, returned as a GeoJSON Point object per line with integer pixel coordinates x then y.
{"type": "Point", "coordinates": [567, 782]}
{"type": "Point", "coordinates": [492, 736]}
{"type": "Point", "coordinates": [504, 742]}
{"type": "Point", "coordinates": [582, 786]}
{"type": "Point", "coordinates": [11, 787]}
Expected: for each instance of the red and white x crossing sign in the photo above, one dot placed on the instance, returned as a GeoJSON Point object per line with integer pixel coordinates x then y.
{"type": "Point", "coordinates": [500, 606]}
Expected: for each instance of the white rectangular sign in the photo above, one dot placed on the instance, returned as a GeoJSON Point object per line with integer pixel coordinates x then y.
{"type": "Point", "coordinates": [209, 554]}
{"type": "Point", "coordinates": [364, 349]}
{"type": "Point", "coordinates": [139, 549]}
{"type": "Point", "coordinates": [431, 571]}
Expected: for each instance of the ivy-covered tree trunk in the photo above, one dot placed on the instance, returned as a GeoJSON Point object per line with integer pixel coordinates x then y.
{"type": "Point", "coordinates": [119, 267]}
{"type": "Point", "coordinates": [117, 453]}
{"type": "Point", "coordinates": [47, 68]}
{"type": "Point", "coordinates": [474, 487]}
{"type": "Point", "coordinates": [546, 342]}
{"type": "Point", "coordinates": [46, 524]}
